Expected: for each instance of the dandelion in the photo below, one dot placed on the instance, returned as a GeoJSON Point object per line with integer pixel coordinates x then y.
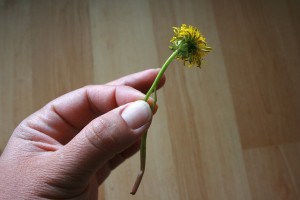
{"type": "Point", "coordinates": [189, 45]}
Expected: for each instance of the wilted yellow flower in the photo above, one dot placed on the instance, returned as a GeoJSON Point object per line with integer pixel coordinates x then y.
{"type": "Point", "coordinates": [191, 44]}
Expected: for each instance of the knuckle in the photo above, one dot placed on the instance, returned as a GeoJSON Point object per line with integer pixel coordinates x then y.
{"type": "Point", "coordinates": [102, 134]}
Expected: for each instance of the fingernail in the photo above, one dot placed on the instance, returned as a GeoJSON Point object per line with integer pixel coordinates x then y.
{"type": "Point", "coordinates": [137, 114]}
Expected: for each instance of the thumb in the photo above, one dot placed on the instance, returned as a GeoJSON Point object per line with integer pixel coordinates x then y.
{"type": "Point", "coordinates": [103, 138]}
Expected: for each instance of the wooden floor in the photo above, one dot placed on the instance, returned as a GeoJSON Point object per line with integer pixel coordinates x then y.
{"type": "Point", "coordinates": [228, 131]}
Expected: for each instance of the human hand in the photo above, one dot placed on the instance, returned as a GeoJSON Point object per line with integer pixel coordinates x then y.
{"type": "Point", "coordinates": [69, 147]}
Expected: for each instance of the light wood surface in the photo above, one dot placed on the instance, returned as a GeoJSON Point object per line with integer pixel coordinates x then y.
{"type": "Point", "coordinates": [228, 131]}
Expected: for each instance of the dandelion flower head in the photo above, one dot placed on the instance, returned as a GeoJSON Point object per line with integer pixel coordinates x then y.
{"type": "Point", "coordinates": [191, 44]}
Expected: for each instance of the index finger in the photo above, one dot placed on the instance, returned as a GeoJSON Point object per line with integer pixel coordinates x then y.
{"type": "Point", "coordinates": [73, 111]}
{"type": "Point", "coordinates": [96, 100]}
{"type": "Point", "coordinates": [141, 81]}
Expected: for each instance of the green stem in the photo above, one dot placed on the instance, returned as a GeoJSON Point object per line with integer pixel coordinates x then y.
{"type": "Point", "coordinates": [160, 74]}
{"type": "Point", "coordinates": [144, 137]}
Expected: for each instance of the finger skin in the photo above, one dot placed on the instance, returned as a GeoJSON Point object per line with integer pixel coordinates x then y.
{"type": "Point", "coordinates": [118, 159]}
{"type": "Point", "coordinates": [65, 149]}
{"type": "Point", "coordinates": [73, 111]}
{"type": "Point", "coordinates": [141, 81]}
{"type": "Point", "coordinates": [100, 141]}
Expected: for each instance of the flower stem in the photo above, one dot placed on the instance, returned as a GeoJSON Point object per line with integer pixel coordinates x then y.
{"type": "Point", "coordinates": [144, 137]}
{"type": "Point", "coordinates": [160, 74]}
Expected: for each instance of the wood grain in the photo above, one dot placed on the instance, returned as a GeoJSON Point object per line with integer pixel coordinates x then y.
{"type": "Point", "coordinates": [263, 49]}
{"type": "Point", "coordinates": [227, 131]}
{"type": "Point", "coordinates": [269, 167]}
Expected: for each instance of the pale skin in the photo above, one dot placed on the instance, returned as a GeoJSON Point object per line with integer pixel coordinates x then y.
{"type": "Point", "coordinates": [68, 148]}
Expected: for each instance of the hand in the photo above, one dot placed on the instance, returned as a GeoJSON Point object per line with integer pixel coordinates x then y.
{"type": "Point", "coordinates": [69, 147]}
